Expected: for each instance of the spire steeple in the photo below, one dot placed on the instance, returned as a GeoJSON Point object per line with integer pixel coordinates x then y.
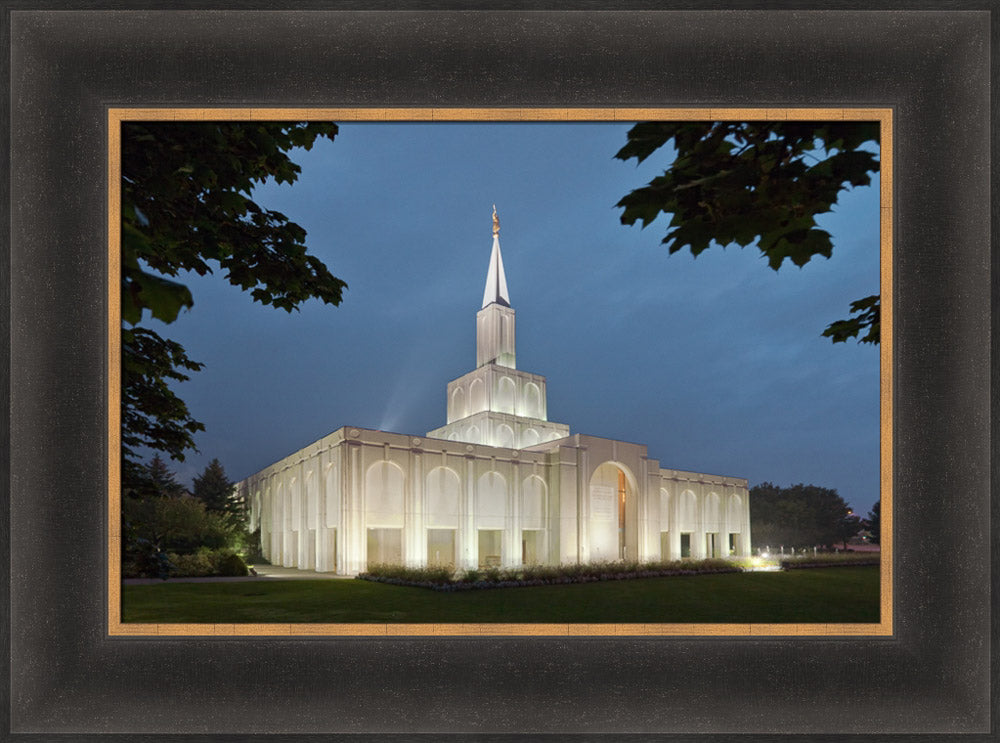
{"type": "Point", "coordinates": [495, 403]}
{"type": "Point", "coordinates": [496, 281]}
{"type": "Point", "coordinates": [495, 321]}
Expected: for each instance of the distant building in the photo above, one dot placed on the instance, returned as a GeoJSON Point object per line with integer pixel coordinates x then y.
{"type": "Point", "coordinates": [498, 484]}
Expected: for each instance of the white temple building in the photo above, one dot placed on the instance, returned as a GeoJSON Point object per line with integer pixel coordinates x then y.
{"type": "Point", "coordinates": [498, 484]}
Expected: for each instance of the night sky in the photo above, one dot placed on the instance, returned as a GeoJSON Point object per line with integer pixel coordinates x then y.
{"type": "Point", "coordinates": [716, 364]}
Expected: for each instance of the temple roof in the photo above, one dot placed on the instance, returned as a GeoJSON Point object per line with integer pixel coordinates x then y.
{"type": "Point", "coordinates": [496, 281]}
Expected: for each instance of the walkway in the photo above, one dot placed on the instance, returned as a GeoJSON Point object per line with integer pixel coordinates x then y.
{"type": "Point", "coordinates": [264, 572]}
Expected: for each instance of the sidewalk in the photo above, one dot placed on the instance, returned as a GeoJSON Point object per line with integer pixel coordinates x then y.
{"type": "Point", "coordinates": [264, 573]}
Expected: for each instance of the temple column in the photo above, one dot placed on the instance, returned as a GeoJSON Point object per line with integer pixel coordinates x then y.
{"type": "Point", "coordinates": [468, 557]}
{"type": "Point", "coordinates": [674, 523]}
{"type": "Point", "coordinates": [698, 537]}
{"type": "Point", "coordinates": [512, 524]}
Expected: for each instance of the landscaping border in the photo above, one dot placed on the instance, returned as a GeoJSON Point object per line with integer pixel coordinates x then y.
{"type": "Point", "coordinates": [440, 579]}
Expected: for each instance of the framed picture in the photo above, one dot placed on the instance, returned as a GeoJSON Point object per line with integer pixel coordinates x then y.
{"type": "Point", "coordinates": [73, 667]}
{"type": "Point", "coordinates": [503, 494]}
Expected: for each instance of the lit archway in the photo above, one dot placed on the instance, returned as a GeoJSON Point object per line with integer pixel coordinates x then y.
{"type": "Point", "coordinates": [613, 514]}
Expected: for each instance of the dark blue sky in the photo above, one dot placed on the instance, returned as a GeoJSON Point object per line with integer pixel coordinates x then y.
{"type": "Point", "coordinates": [715, 363]}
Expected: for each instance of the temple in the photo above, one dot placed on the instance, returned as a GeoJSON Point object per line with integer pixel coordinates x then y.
{"type": "Point", "coordinates": [498, 484]}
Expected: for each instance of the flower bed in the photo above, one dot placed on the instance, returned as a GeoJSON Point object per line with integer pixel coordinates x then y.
{"type": "Point", "coordinates": [443, 579]}
{"type": "Point", "coordinates": [841, 560]}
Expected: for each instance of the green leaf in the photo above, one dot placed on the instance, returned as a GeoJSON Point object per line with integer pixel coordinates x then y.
{"type": "Point", "coordinates": [868, 315]}
{"type": "Point", "coordinates": [164, 298]}
{"type": "Point", "coordinates": [745, 182]}
{"type": "Point", "coordinates": [187, 205]}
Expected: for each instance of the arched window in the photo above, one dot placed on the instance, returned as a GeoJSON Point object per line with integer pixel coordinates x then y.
{"type": "Point", "coordinates": [312, 501]}
{"type": "Point", "coordinates": [532, 401]}
{"type": "Point", "coordinates": [533, 492]}
{"type": "Point", "coordinates": [441, 496]}
{"type": "Point", "coordinates": [477, 396]}
{"type": "Point", "coordinates": [505, 396]}
{"type": "Point", "coordinates": [384, 495]}
{"type": "Point", "coordinates": [688, 516]}
{"type": "Point", "coordinates": [491, 501]}
{"type": "Point", "coordinates": [458, 404]}
{"type": "Point", "coordinates": [504, 436]}
{"type": "Point", "coordinates": [332, 495]}
{"type": "Point", "coordinates": [735, 513]}
{"type": "Point", "coordinates": [712, 512]}
{"type": "Point", "coordinates": [295, 504]}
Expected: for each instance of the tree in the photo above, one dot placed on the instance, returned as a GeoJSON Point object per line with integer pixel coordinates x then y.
{"type": "Point", "coordinates": [874, 522]}
{"type": "Point", "coordinates": [215, 491]}
{"type": "Point", "coordinates": [186, 206]}
{"type": "Point", "coordinates": [797, 516]}
{"type": "Point", "coordinates": [155, 480]}
{"type": "Point", "coordinates": [756, 182]}
{"type": "Point", "coordinates": [848, 527]}
{"type": "Point", "coordinates": [152, 415]}
{"type": "Point", "coordinates": [156, 525]}
{"type": "Point", "coordinates": [159, 515]}
{"type": "Point", "coordinates": [175, 524]}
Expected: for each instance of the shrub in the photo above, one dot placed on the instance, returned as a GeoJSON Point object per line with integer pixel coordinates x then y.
{"type": "Point", "coordinates": [173, 524]}
{"type": "Point", "coordinates": [402, 573]}
{"type": "Point", "coordinates": [831, 560]}
{"type": "Point", "coordinates": [192, 565]}
{"type": "Point", "coordinates": [248, 544]}
{"type": "Point", "coordinates": [207, 562]}
{"type": "Point", "coordinates": [228, 563]}
{"type": "Point", "coordinates": [492, 577]}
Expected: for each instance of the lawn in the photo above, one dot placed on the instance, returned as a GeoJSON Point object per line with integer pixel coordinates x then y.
{"type": "Point", "coordinates": [836, 595]}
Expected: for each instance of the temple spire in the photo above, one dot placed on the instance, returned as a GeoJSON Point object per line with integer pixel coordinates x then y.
{"type": "Point", "coordinates": [496, 281]}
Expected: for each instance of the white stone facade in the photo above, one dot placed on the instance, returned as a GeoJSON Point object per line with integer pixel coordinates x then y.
{"type": "Point", "coordinates": [499, 484]}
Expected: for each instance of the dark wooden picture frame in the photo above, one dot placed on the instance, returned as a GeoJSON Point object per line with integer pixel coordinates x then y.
{"type": "Point", "coordinates": [931, 677]}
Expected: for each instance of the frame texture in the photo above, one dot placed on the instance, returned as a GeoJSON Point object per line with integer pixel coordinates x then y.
{"type": "Point", "coordinates": [931, 677]}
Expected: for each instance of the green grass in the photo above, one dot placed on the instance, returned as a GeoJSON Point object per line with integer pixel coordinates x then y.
{"type": "Point", "coordinates": [831, 595]}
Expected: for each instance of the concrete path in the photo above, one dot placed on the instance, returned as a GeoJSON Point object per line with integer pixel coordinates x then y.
{"type": "Point", "coordinates": [264, 573]}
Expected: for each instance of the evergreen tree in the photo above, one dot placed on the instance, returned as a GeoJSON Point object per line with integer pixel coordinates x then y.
{"type": "Point", "coordinates": [215, 490]}
{"type": "Point", "coordinates": [155, 479]}
{"type": "Point", "coordinates": [875, 522]}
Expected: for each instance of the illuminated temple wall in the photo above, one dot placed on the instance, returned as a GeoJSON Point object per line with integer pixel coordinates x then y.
{"type": "Point", "coordinates": [498, 484]}
{"type": "Point", "coordinates": [359, 496]}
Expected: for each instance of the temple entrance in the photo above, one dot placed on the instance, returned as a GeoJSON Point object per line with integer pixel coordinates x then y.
{"type": "Point", "coordinates": [622, 549]}
{"type": "Point", "coordinates": [613, 525]}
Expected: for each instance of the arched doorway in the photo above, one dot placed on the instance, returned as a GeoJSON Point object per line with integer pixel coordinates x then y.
{"type": "Point", "coordinates": [613, 514]}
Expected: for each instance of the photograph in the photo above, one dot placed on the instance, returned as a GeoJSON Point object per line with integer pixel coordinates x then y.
{"type": "Point", "coordinates": [471, 373]}
{"type": "Point", "coordinates": [564, 371]}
